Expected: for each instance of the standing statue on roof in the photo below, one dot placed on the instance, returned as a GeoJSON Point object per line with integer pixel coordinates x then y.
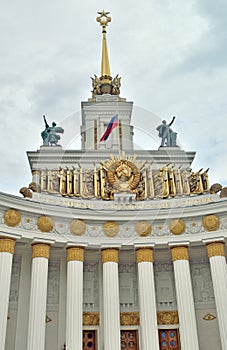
{"type": "Point", "coordinates": [167, 135]}
{"type": "Point", "coordinates": [49, 135]}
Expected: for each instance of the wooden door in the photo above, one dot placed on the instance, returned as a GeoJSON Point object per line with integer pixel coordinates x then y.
{"type": "Point", "coordinates": [89, 340]}
{"type": "Point", "coordinates": [129, 340]}
{"type": "Point", "coordinates": [169, 339]}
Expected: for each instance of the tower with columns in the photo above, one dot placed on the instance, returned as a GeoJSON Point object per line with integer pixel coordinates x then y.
{"type": "Point", "coordinates": [113, 248]}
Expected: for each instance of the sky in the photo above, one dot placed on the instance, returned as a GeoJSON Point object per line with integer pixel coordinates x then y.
{"type": "Point", "coordinates": [171, 55]}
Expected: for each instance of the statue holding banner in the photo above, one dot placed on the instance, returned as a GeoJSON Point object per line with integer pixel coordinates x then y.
{"type": "Point", "coordinates": [49, 135]}
{"type": "Point", "coordinates": [167, 135]}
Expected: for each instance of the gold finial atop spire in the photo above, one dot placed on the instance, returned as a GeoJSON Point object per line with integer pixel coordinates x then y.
{"type": "Point", "coordinates": [105, 84]}
{"type": "Point", "coordinates": [104, 19]}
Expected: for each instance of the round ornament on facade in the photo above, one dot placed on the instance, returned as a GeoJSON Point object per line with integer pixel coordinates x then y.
{"type": "Point", "coordinates": [211, 222]}
{"type": "Point", "coordinates": [45, 223]}
{"type": "Point", "coordinates": [12, 217]}
{"type": "Point", "coordinates": [143, 228]}
{"type": "Point", "coordinates": [111, 228]}
{"type": "Point", "coordinates": [77, 227]}
{"type": "Point", "coordinates": [177, 226]}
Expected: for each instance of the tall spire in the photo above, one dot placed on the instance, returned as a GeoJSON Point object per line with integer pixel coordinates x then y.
{"type": "Point", "coordinates": [105, 84]}
{"type": "Point", "coordinates": [104, 19]}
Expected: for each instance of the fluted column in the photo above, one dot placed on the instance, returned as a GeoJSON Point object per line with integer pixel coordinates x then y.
{"type": "Point", "coordinates": [74, 307]}
{"type": "Point", "coordinates": [111, 304]}
{"type": "Point", "coordinates": [147, 303]}
{"type": "Point", "coordinates": [6, 256]}
{"type": "Point", "coordinates": [216, 254]}
{"type": "Point", "coordinates": [38, 295]}
{"type": "Point", "coordinates": [185, 301]}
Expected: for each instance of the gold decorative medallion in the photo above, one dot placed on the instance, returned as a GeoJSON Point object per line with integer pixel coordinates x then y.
{"type": "Point", "coordinates": [177, 227]}
{"type": "Point", "coordinates": [167, 317]}
{"type": "Point", "coordinates": [7, 245]}
{"type": "Point", "coordinates": [75, 254]}
{"type": "Point", "coordinates": [144, 255]}
{"type": "Point", "coordinates": [12, 217]}
{"type": "Point", "coordinates": [129, 318]}
{"type": "Point", "coordinates": [45, 224]}
{"type": "Point", "coordinates": [110, 255]}
{"type": "Point", "coordinates": [209, 317]}
{"type": "Point", "coordinates": [211, 222]}
{"type": "Point", "coordinates": [179, 253]}
{"type": "Point", "coordinates": [77, 227]}
{"type": "Point", "coordinates": [40, 250]}
{"type": "Point", "coordinates": [90, 319]}
{"type": "Point", "coordinates": [216, 249]}
{"type": "Point", "coordinates": [111, 228]}
{"type": "Point", "coordinates": [143, 228]}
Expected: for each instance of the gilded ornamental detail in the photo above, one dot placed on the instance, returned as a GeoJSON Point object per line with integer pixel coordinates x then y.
{"type": "Point", "coordinates": [110, 255]}
{"type": "Point", "coordinates": [77, 227]}
{"type": "Point", "coordinates": [177, 227]}
{"type": "Point", "coordinates": [12, 217]}
{"type": "Point", "coordinates": [179, 253]}
{"type": "Point", "coordinates": [40, 250]}
{"type": "Point", "coordinates": [45, 223]}
{"type": "Point", "coordinates": [216, 249]}
{"type": "Point", "coordinates": [91, 319]}
{"type": "Point", "coordinates": [7, 245]}
{"type": "Point", "coordinates": [167, 317]}
{"type": "Point", "coordinates": [132, 318]}
{"type": "Point", "coordinates": [129, 319]}
{"type": "Point", "coordinates": [144, 255]}
{"type": "Point", "coordinates": [143, 228]}
{"type": "Point", "coordinates": [123, 174]}
{"type": "Point", "coordinates": [111, 228]}
{"type": "Point", "coordinates": [211, 222]}
{"type": "Point", "coordinates": [75, 254]}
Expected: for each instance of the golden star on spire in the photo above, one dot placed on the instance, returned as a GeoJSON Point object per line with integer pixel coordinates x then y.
{"type": "Point", "coordinates": [103, 19]}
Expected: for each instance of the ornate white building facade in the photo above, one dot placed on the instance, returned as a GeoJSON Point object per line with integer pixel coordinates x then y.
{"type": "Point", "coordinates": [113, 248]}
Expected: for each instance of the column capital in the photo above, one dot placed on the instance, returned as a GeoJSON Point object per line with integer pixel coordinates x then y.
{"type": "Point", "coordinates": [144, 254]}
{"type": "Point", "coordinates": [7, 245]}
{"type": "Point", "coordinates": [110, 255]}
{"type": "Point", "coordinates": [75, 253]}
{"type": "Point", "coordinates": [179, 253]}
{"type": "Point", "coordinates": [40, 250]}
{"type": "Point", "coordinates": [36, 172]}
{"type": "Point", "coordinates": [215, 249]}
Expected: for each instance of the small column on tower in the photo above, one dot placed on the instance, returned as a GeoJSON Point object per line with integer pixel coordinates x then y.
{"type": "Point", "coordinates": [147, 302]}
{"type": "Point", "coordinates": [216, 254]}
{"type": "Point", "coordinates": [111, 304]}
{"type": "Point", "coordinates": [6, 256]}
{"type": "Point", "coordinates": [184, 294]}
{"type": "Point", "coordinates": [74, 306]}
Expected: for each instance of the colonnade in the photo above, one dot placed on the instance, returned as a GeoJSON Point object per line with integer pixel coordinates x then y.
{"type": "Point", "coordinates": [111, 311]}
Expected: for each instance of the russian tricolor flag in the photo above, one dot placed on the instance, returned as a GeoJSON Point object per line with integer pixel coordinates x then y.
{"type": "Point", "coordinates": [112, 124]}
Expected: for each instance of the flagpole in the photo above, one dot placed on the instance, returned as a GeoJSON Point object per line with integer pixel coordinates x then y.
{"type": "Point", "coordinates": [118, 131]}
